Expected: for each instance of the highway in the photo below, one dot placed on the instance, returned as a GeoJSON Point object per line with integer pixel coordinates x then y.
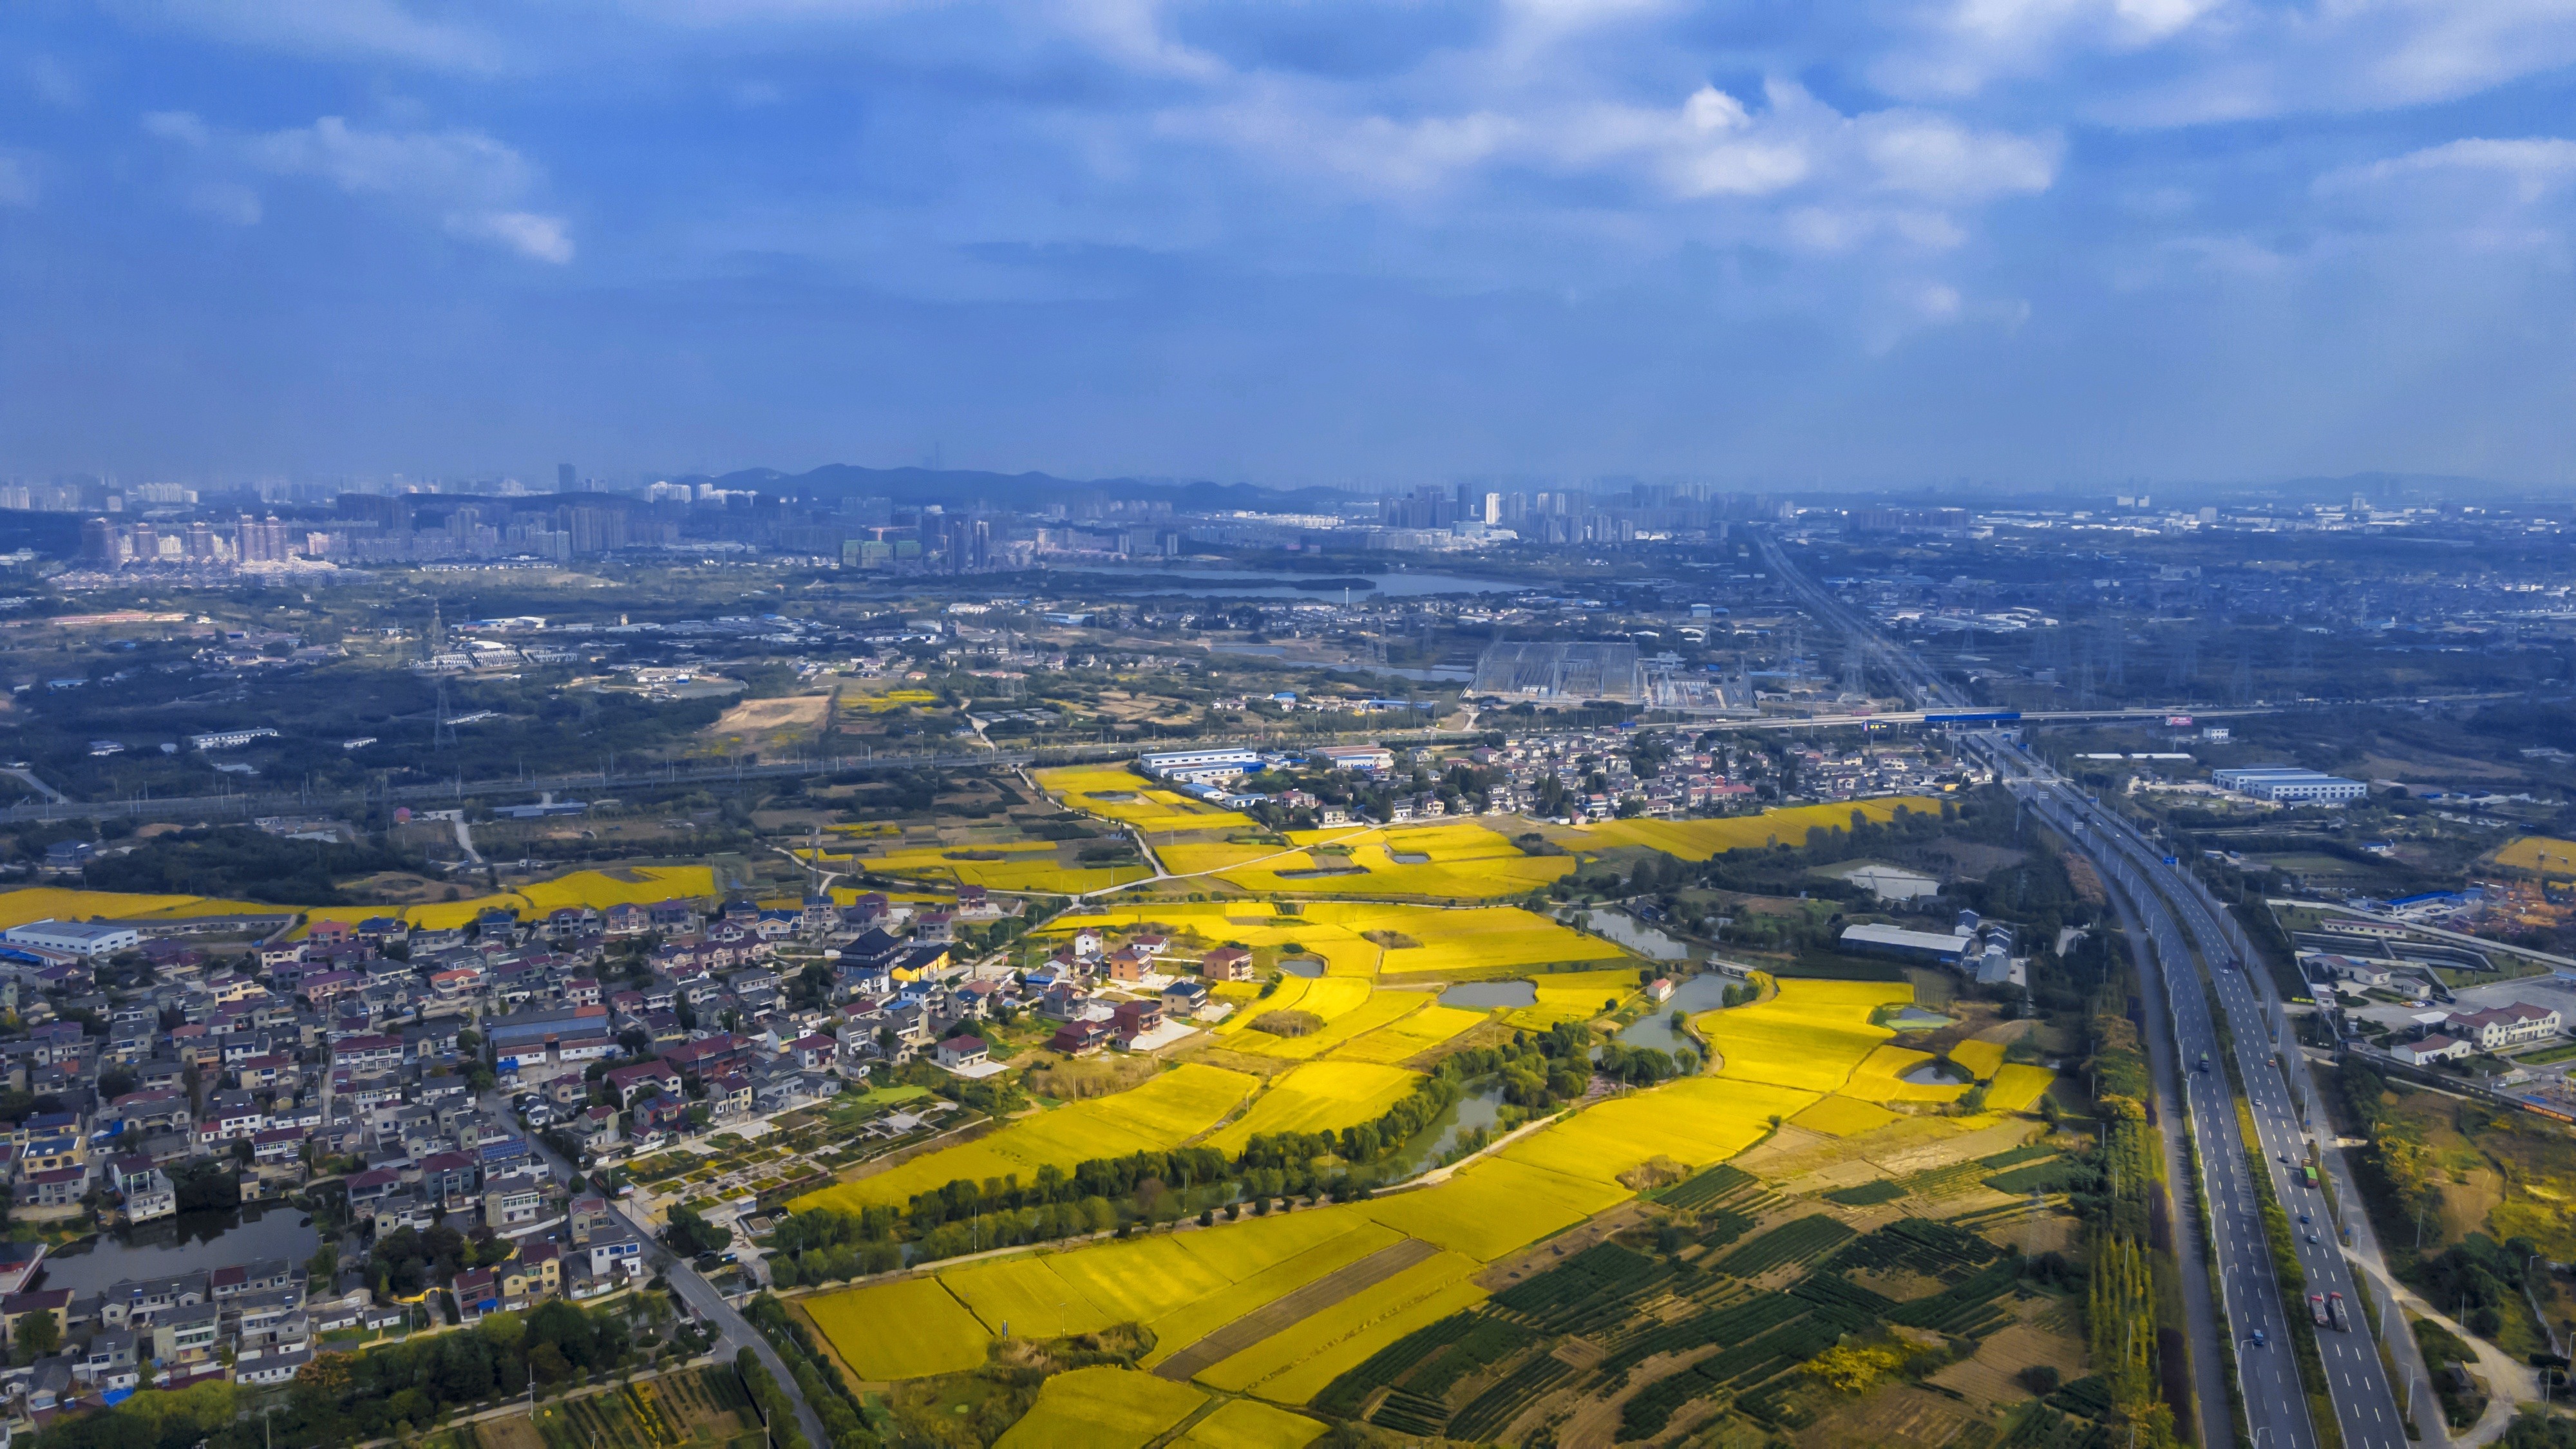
{"type": "Point", "coordinates": [2166, 904]}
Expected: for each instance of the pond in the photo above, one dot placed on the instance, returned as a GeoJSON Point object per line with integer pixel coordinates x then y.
{"type": "Point", "coordinates": [1938, 1072]}
{"type": "Point", "coordinates": [188, 1243]}
{"type": "Point", "coordinates": [1643, 939]}
{"type": "Point", "coordinates": [1486, 995]}
{"type": "Point", "coordinates": [1302, 965]}
{"type": "Point", "coordinates": [1690, 998]}
{"type": "Point", "coordinates": [1478, 1108]}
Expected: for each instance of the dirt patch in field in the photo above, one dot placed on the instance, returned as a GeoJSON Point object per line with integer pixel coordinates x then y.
{"type": "Point", "coordinates": [1968, 860]}
{"type": "Point", "coordinates": [396, 888]}
{"type": "Point", "coordinates": [2052, 1233]}
{"type": "Point", "coordinates": [1235, 1061]}
{"type": "Point", "coordinates": [796, 712]}
{"type": "Point", "coordinates": [516, 1432]}
{"type": "Point", "coordinates": [1992, 1376]}
{"type": "Point", "coordinates": [1275, 1318]}
{"type": "Point", "coordinates": [1075, 1078]}
{"type": "Point", "coordinates": [1893, 1414]}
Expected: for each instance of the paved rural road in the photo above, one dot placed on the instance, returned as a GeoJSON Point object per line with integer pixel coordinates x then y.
{"type": "Point", "coordinates": [734, 1331]}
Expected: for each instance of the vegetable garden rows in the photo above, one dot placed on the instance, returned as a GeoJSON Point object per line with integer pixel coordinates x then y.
{"type": "Point", "coordinates": [1473, 1374]}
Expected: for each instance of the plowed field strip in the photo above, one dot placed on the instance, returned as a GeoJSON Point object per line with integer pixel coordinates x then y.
{"type": "Point", "coordinates": [1315, 1297]}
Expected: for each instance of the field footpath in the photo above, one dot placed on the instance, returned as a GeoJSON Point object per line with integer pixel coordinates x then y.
{"type": "Point", "coordinates": [519, 1406]}
{"type": "Point", "coordinates": [1294, 1307]}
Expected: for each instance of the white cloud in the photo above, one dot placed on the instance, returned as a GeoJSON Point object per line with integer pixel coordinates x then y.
{"type": "Point", "coordinates": [185, 127]}
{"type": "Point", "coordinates": [225, 201]}
{"type": "Point", "coordinates": [1937, 157]}
{"type": "Point", "coordinates": [476, 187]}
{"type": "Point", "coordinates": [2531, 166]}
{"type": "Point", "coordinates": [55, 83]}
{"type": "Point", "coordinates": [543, 238]}
{"type": "Point", "coordinates": [17, 181]}
{"type": "Point", "coordinates": [337, 29]}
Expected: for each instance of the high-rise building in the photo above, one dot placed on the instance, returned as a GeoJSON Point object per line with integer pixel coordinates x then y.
{"type": "Point", "coordinates": [564, 480]}
{"type": "Point", "coordinates": [260, 541]}
{"type": "Point", "coordinates": [593, 530]}
{"type": "Point", "coordinates": [99, 543]}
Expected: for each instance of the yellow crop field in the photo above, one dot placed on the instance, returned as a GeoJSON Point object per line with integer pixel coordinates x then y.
{"type": "Point", "coordinates": [1138, 1280]}
{"type": "Point", "coordinates": [2539, 854]}
{"type": "Point", "coordinates": [1209, 857]}
{"type": "Point", "coordinates": [1351, 1239]}
{"type": "Point", "coordinates": [1494, 1206]}
{"type": "Point", "coordinates": [1179, 1104]}
{"type": "Point", "coordinates": [1841, 1116]}
{"type": "Point", "coordinates": [1317, 1097]}
{"type": "Point", "coordinates": [601, 889]}
{"type": "Point", "coordinates": [1026, 1296]}
{"type": "Point", "coordinates": [2017, 1088]}
{"type": "Point", "coordinates": [51, 903]}
{"type": "Point", "coordinates": [1810, 1036]}
{"type": "Point", "coordinates": [1250, 1424]}
{"type": "Point", "coordinates": [1165, 1112]}
{"type": "Point", "coordinates": [907, 1329]}
{"type": "Point", "coordinates": [1244, 1250]}
{"type": "Point", "coordinates": [1384, 1008]}
{"type": "Point", "coordinates": [1468, 943]}
{"type": "Point", "coordinates": [1573, 996]}
{"type": "Point", "coordinates": [1102, 1407]}
{"type": "Point", "coordinates": [1025, 866]}
{"type": "Point", "coordinates": [1122, 795]}
{"type": "Point", "coordinates": [1410, 1035]}
{"type": "Point", "coordinates": [595, 888]}
{"type": "Point", "coordinates": [1880, 1078]}
{"type": "Point", "coordinates": [1706, 839]}
{"type": "Point", "coordinates": [1290, 991]}
{"type": "Point", "coordinates": [1303, 1380]}
{"type": "Point", "coordinates": [1695, 1121]}
{"type": "Point", "coordinates": [1459, 860]}
{"type": "Point", "coordinates": [1335, 1322]}
{"type": "Point", "coordinates": [1979, 1058]}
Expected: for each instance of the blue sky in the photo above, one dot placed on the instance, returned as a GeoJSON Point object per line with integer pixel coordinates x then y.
{"type": "Point", "coordinates": [1301, 241]}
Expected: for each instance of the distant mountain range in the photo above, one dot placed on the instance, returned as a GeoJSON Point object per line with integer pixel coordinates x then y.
{"type": "Point", "coordinates": [959, 488]}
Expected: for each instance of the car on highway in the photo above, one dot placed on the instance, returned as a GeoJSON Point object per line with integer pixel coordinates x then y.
{"type": "Point", "coordinates": [2303, 1220]}
{"type": "Point", "coordinates": [2259, 1339]}
{"type": "Point", "coordinates": [2312, 1235]}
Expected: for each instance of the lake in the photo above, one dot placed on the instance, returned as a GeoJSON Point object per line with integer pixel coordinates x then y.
{"type": "Point", "coordinates": [188, 1243]}
{"type": "Point", "coordinates": [1421, 1152]}
{"type": "Point", "coordinates": [1637, 936]}
{"type": "Point", "coordinates": [1698, 994]}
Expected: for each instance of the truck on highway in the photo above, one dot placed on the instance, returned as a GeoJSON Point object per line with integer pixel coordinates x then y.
{"type": "Point", "coordinates": [2334, 1313]}
{"type": "Point", "coordinates": [2317, 1306]}
{"type": "Point", "coordinates": [2204, 1063]}
{"type": "Point", "coordinates": [2312, 1175]}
